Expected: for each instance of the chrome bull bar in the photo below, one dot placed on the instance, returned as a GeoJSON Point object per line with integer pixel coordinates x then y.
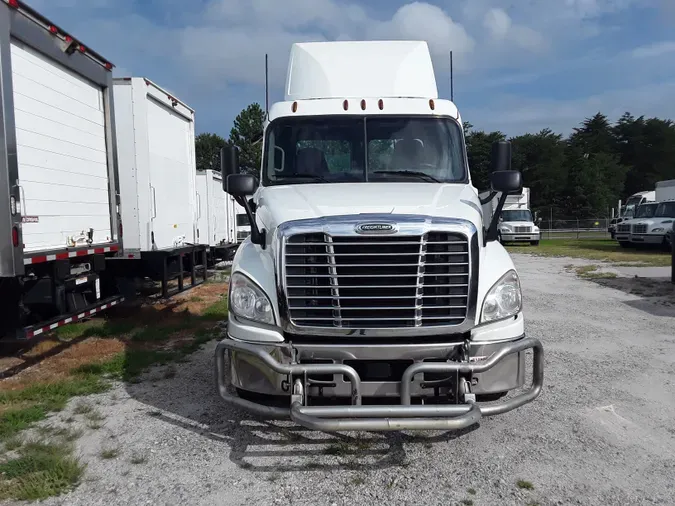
{"type": "Point", "coordinates": [403, 416]}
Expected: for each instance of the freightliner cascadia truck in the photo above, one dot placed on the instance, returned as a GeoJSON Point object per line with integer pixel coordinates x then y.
{"type": "Point", "coordinates": [370, 271]}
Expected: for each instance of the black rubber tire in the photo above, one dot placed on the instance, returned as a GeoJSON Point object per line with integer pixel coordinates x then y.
{"type": "Point", "coordinates": [534, 243]}
{"type": "Point", "coordinates": [624, 244]}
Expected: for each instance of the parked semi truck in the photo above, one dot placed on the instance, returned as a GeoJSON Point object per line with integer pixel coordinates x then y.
{"type": "Point", "coordinates": [371, 270]}
{"type": "Point", "coordinates": [96, 179]}
{"type": "Point", "coordinates": [627, 211]}
{"type": "Point", "coordinates": [516, 222]}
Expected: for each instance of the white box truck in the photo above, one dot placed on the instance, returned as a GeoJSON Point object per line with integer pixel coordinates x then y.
{"type": "Point", "coordinates": [243, 225]}
{"type": "Point", "coordinates": [216, 223]}
{"type": "Point", "coordinates": [516, 222]}
{"type": "Point", "coordinates": [158, 189]}
{"type": "Point", "coordinates": [58, 177]}
{"type": "Point", "coordinates": [665, 190]}
{"type": "Point", "coordinates": [370, 271]}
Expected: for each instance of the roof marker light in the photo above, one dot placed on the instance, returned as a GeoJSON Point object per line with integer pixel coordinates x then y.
{"type": "Point", "coordinates": [345, 104]}
{"type": "Point", "coordinates": [69, 38]}
{"type": "Point", "coordinates": [431, 104]}
{"type": "Point", "coordinates": [380, 104]}
{"type": "Point", "coordinates": [53, 29]}
{"type": "Point", "coordinates": [108, 65]}
{"type": "Point", "coordinates": [13, 3]}
{"type": "Point", "coordinates": [82, 48]}
{"type": "Point", "coordinates": [15, 237]}
{"type": "Point", "coordinates": [294, 107]}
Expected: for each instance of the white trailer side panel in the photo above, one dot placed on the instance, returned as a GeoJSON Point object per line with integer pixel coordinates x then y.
{"type": "Point", "coordinates": [213, 224]}
{"type": "Point", "coordinates": [217, 202]}
{"type": "Point", "coordinates": [665, 190]}
{"type": "Point", "coordinates": [156, 153]}
{"type": "Point", "coordinates": [172, 175]}
{"type": "Point", "coordinates": [61, 153]}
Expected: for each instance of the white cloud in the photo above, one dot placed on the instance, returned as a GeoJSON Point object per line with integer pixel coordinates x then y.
{"type": "Point", "coordinates": [654, 50]}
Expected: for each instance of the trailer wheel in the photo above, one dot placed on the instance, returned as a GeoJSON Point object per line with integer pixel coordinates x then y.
{"type": "Point", "coordinates": [534, 243]}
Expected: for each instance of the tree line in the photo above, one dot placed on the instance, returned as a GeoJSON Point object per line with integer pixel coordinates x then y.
{"type": "Point", "coordinates": [579, 176]}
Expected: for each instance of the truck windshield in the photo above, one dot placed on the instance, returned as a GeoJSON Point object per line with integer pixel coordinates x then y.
{"type": "Point", "coordinates": [242, 220]}
{"type": "Point", "coordinates": [665, 210]}
{"type": "Point", "coordinates": [337, 149]}
{"type": "Point", "coordinates": [517, 215]}
{"type": "Point", "coordinates": [645, 211]}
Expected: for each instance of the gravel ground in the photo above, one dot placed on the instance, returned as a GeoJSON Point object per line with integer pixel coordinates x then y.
{"type": "Point", "coordinates": [602, 432]}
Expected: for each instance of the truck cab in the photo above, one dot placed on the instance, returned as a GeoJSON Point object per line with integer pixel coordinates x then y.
{"type": "Point", "coordinates": [652, 222]}
{"type": "Point", "coordinates": [516, 222]}
{"type": "Point", "coordinates": [370, 271]}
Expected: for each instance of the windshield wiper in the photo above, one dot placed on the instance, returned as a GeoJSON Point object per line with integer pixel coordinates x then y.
{"type": "Point", "coordinates": [302, 175]}
{"type": "Point", "coordinates": [420, 175]}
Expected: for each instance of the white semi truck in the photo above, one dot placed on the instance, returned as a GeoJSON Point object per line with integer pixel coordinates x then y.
{"type": "Point", "coordinates": [516, 222]}
{"type": "Point", "coordinates": [371, 270]}
{"type": "Point", "coordinates": [627, 211]}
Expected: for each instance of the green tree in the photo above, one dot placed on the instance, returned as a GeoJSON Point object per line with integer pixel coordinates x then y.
{"type": "Point", "coordinates": [479, 150]}
{"type": "Point", "coordinates": [207, 151]}
{"type": "Point", "coordinates": [246, 134]}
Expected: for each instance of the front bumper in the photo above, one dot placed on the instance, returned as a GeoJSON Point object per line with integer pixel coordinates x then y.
{"type": "Point", "coordinates": [280, 370]}
{"type": "Point", "coordinates": [517, 237]}
{"type": "Point", "coordinates": [648, 238]}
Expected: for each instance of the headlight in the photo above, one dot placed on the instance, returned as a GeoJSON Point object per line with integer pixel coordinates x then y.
{"type": "Point", "coordinates": [248, 301]}
{"type": "Point", "coordinates": [504, 299]}
{"type": "Point", "coordinates": [660, 229]}
{"type": "Point", "coordinates": [504, 228]}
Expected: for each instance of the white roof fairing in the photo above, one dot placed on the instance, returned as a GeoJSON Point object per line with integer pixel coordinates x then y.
{"type": "Point", "coordinates": [356, 69]}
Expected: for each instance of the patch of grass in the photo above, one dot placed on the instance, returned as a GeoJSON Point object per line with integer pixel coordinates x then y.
{"type": "Point", "coordinates": [95, 416]}
{"type": "Point", "coordinates": [525, 485]}
{"type": "Point", "coordinates": [338, 448]}
{"type": "Point", "coordinates": [592, 272]}
{"type": "Point", "coordinates": [94, 425]}
{"type": "Point", "coordinates": [14, 421]}
{"type": "Point", "coordinates": [472, 491]}
{"type": "Point", "coordinates": [41, 470]}
{"type": "Point", "coordinates": [195, 298]}
{"type": "Point", "coordinates": [82, 408]}
{"type": "Point", "coordinates": [13, 443]}
{"type": "Point", "coordinates": [604, 250]}
{"type": "Point", "coordinates": [109, 453]}
{"type": "Point", "coordinates": [217, 311]}
{"type": "Point", "coordinates": [467, 502]}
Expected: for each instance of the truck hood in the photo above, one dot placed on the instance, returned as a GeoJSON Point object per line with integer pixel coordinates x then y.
{"type": "Point", "coordinates": [279, 204]}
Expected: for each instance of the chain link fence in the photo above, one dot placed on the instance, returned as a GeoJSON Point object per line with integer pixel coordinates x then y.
{"type": "Point", "coordinates": [590, 228]}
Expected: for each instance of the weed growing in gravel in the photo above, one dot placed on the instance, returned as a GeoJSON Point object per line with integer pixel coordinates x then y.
{"type": "Point", "coordinates": [592, 272]}
{"type": "Point", "coordinates": [358, 480]}
{"type": "Point", "coordinates": [472, 491]}
{"type": "Point", "coordinates": [39, 471]}
{"type": "Point", "coordinates": [137, 459]}
{"type": "Point", "coordinates": [467, 502]}
{"type": "Point", "coordinates": [525, 485]}
{"type": "Point", "coordinates": [82, 408]}
{"type": "Point", "coordinates": [93, 425]}
{"type": "Point", "coordinates": [109, 453]}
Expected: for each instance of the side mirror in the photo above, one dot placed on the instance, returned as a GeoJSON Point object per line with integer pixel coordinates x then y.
{"type": "Point", "coordinates": [229, 162]}
{"type": "Point", "coordinates": [500, 157]}
{"type": "Point", "coordinates": [506, 181]}
{"type": "Point", "coordinates": [539, 220]}
{"type": "Point", "coordinates": [240, 185]}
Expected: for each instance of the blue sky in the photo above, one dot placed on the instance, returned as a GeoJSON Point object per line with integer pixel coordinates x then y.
{"type": "Point", "coordinates": [520, 66]}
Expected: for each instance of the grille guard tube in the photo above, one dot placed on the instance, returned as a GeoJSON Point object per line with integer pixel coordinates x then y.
{"type": "Point", "coordinates": [396, 417]}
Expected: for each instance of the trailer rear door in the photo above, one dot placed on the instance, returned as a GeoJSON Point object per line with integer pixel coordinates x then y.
{"type": "Point", "coordinates": [61, 152]}
{"type": "Point", "coordinates": [172, 175]}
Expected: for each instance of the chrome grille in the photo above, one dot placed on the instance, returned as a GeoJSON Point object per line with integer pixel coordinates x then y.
{"type": "Point", "coordinates": [639, 229]}
{"type": "Point", "coordinates": [623, 227]}
{"type": "Point", "coordinates": [522, 230]}
{"type": "Point", "coordinates": [377, 281]}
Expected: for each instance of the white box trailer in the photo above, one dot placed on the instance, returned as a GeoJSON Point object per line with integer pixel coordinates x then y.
{"type": "Point", "coordinates": [665, 190]}
{"type": "Point", "coordinates": [216, 223]}
{"type": "Point", "coordinates": [158, 188]}
{"type": "Point", "coordinates": [58, 175]}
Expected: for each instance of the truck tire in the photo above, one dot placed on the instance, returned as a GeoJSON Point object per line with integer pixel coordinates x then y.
{"type": "Point", "coordinates": [624, 244]}
{"type": "Point", "coordinates": [534, 243]}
